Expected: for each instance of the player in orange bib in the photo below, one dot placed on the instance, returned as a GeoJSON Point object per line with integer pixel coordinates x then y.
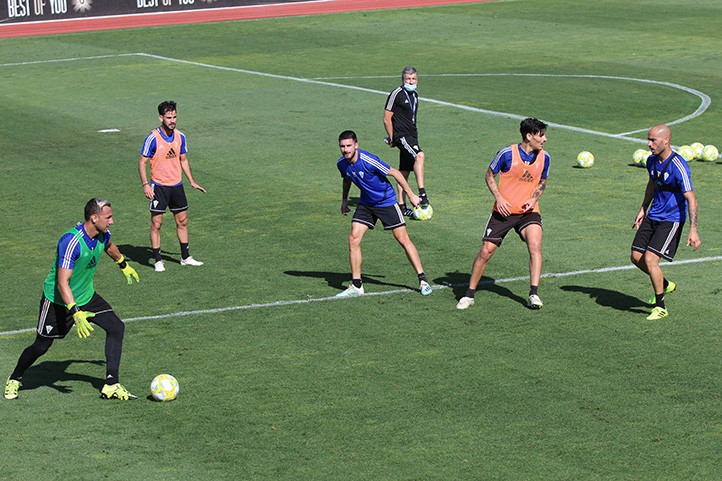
{"type": "Point", "coordinates": [165, 149]}
{"type": "Point", "coordinates": [522, 170]}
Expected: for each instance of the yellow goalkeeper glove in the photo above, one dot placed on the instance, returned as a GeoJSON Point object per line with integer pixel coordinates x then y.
{"type": "Point", "coordinates": [127, 271]}
{"type": "Point", "coordinates": [81, 320]}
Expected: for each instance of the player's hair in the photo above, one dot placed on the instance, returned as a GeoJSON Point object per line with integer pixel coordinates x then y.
{"type": "Point", "coordinates": [531, 126]}
{"type": "Point", "coordinates": [166, 106]}
{"type": "Point", "coordinates": [347, 134]}
{"type": "Point", "coordinates": [407, 70]}
{"type": "Point", "coordinates": [95, 206]}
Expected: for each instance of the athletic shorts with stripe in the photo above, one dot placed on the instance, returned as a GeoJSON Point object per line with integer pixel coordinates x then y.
{"type": "Point", "coordinates": [408, 150]}
{"type": "Point", "coordinates": [55, 321]}
{"type": "Point", "coordinates": [168, 197]}
{"type": "Point", "coordinates": [498, 226]}
{"type": "Point", "coordinates": [391, 217]}
{"type": "Point", "coordinates": [662, 238]}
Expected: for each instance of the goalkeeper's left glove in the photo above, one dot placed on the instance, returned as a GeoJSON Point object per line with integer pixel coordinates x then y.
{"type": "Point", "coordinates": [127, 271]}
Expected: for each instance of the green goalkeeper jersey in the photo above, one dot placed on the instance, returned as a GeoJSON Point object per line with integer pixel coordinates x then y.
{"type": "Point", "coordinates": [81, 253]}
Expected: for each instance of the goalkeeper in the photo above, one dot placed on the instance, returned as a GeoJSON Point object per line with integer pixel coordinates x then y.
{"type": "Point", "coordinates": [69, 298]}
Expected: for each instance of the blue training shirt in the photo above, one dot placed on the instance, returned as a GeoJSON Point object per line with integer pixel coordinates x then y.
{"type": "Point", "coordinates": [502, 160]}
{"type": "Point", "coordinates": [672, 178]}
{"type": "Point", "coordinates": [369, 175]}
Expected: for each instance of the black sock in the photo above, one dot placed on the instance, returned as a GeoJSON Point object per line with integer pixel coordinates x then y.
{"type": "Point", "coordinates": [659, 300]}
{"type": "Point", "coordinates": [666, 283]}
{"type": "Point", "coordinates": [533, 290]}
{"type": "Point", "coordinates": [156, 254]}
{"type": "Point", "coordinates": [356, 283]}
{"type": "Point", "coordinates": [422, 277]}
{"type": "Point", "coordinates": [470, 293]}
{"type": "Point", "coordinates": [184, 250]}
{"type": "Point", "coordinates": [422, 192]}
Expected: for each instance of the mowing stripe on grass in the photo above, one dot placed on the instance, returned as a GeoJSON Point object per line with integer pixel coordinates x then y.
{"type": "Point", "coordinates": [292, 302]}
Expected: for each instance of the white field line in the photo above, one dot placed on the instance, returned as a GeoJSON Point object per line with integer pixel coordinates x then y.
{"type": "Point", "coordinates": [704, 105]}
{"type": "Point", "coordinates": [292, 302]}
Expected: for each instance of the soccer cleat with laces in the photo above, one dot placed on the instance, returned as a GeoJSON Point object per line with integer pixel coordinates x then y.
{"type": "Point", "coordinates": [11, 389]}
{"type": "Point", "coordinates": [425, 288]}
{"type": "Point", "coordinates": [116, 391]}
{"type": "Point", "coordinates": [670, 288]}
{"type": "Point", "coordinates": [190, 261]}
{"type": "Point", "coordinates": [657, 314]}
{"type": "Point", "coordinates": [409, 212]}
{"type": "Point", "coordinates": [535, 302]}
{"type": "Point", "coordinates": [465, 303]}
{"type": "Point", "coordinates": [352, 291]}
{"type": "Point", "coordinates": [159, 266]}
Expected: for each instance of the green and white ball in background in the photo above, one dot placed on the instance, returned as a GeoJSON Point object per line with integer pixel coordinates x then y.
{"type": "Point", "coordinates": [698, 148]}
{"type": "Point", "coordinates": [164, 387]}
{"type": "Point", "coordinates": [640, 157]}
{"type": "Point", "coordinates": [423, 212]}
{"type": "Point", "coordinates": [710, 153]}
{"type": "Point", "coordinates": [686, 152]}
{"type": "Point", "coordinates": [585, 159]}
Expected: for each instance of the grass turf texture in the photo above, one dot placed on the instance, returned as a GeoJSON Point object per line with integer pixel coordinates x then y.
{"type": "Point", "coordinates": [383, 387]}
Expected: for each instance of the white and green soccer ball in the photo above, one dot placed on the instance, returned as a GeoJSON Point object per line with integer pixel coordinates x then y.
{"type": "Point", "coordinates": [686, 152]}
{"type": "Point", "coordinates": [423, 212]}
{"type": "Point", "coordinates": [640, 157]}
{"type": "Point", "coordinates": [710, 153]}
{"type": "Point", "coordinates": [585, 159]}
{"type": "Point", "coordinates": [698, 148]}
{"type": "Point", "coordinates": [164, 387]}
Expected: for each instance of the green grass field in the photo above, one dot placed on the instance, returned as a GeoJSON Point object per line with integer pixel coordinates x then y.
{"type": "Point", "coordinates": [278, 380]}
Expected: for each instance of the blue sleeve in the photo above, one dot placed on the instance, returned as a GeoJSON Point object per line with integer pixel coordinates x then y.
{"type": "Point", "coordinates": [502, 161]}
{"type": "Point", "coordinates": [148, 149]}
{"type": "Point", "coordinates": [68, 251]}
{"type": "Point", "coordinates": [184, 148]}
{"type": "Point", "coordinates": [547, 161]}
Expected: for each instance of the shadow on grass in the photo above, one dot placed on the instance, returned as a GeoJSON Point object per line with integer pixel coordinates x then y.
{"type": "Point", "coordinates": [609, 298]}
{"type": "Point", "coordinates": [340, 280]}
{"type": "Point", "coordinates": [459, 282]}
{"type": "Point", "coordinates": [54, 373]}
{"type": "Point", "coordinates": [143, 255]}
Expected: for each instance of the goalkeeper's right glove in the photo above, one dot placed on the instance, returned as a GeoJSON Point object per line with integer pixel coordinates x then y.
{"type": "Point", "coordinates": [81, 320]}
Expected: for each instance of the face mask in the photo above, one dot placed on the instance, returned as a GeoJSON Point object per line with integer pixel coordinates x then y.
{"type": "Point", "coordinates": [410, 87]}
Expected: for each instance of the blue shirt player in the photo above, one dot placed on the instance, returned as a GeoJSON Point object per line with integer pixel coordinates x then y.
{"type": "Point", "coordinates": [669, 190]}
{"type": "Point", "coordinates": [377, 202]}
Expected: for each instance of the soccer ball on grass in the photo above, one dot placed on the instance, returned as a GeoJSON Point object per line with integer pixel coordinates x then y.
{"type": "Point", "coordinates": [698, 149]}
{"type": "Point", "coordinates": [686, 152]}
{"type": "Point", "coordinates": [585, 159]}
{"type": "Point", "coordinates": [423, 212]}
{"type": "Point", "coordinates": [164, 387]}
{"type": "Point", "coordinates": [640, 157]}
{"type": "Point", "coordinates": [710, 153]}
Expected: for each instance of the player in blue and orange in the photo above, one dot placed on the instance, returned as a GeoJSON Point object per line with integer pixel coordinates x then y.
{"type": "Point", "coordinates": [522, 170]}
{"type": "Point", "coordinates": [165, 148]}
{"type": "Point", "coordinates": [669, 190]}
{"type": "Point", "coordinates": [69, 298]}
{"type": "Point", "coordinates": [377, 202]}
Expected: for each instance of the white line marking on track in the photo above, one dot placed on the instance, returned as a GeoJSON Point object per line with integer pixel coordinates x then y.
{"type": "Point", "coordinates": [292, 302]}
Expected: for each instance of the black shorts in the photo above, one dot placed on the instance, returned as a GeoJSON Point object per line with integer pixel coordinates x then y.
{"type": "Point", "coordinates": [408, 150]}
{"type": "Point", "coordinates": [55, 321]}
{"type": "Point", "coordinates": [165, 197]}
{"type": "Point", "coordinates": [391, 217]}
{"type": "Point", "coordinates": [662, 238]}
{"type": "Point", "coordinates": [498, 226]}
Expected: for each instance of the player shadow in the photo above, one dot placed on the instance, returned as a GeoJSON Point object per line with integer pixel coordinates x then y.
{"type": "Point", "coordinates": [459, 283]}
{"type": "Point", "coordinates": [340, 281]}
{"type": "Point", "coordinates": [609, 298]}
{"type": "Point", "coordinates": [143, 255]}
{"type": "Point", "coordinates": [54, 373]}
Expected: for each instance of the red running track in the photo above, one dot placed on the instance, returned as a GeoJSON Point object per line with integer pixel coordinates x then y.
{"type": "Point", "coordinates": [50, 27]}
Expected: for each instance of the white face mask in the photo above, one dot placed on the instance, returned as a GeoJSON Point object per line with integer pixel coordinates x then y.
{"type": "Point", "coordinates": [410, 87]}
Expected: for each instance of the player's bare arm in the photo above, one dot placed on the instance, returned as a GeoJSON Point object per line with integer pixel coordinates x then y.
{"type": "Point", "coordinates": [186, 166]}
{"type": "Point", "coordinates": [501, 203]}
{"type": "Point", "coordinates": [648, 194]}
{"type": "Point", "coordinates": [345, 188]}
{"type": "Point", "coordinates": [693, 239]}
{"type": "Point", "coordinates": [389, 126]}
{"type": "Point", "coordinates": [413, 198]}
{"type": "Point", "coordinates": [529, 205]}
{"type": "Point", "coordinates": [147, 189]}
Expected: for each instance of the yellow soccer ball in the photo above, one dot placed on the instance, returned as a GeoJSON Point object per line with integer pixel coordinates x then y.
{"type": "Point", "coordinates": [585, 159]}
{"type": "Point", "coordinates": [164, 387]}
{"type": "Point", "coordinates": [640, 157]}
{"type": "Point", "coordinates": [710, 153]}
{"type": "Point", "coordinates": [686, 152]}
